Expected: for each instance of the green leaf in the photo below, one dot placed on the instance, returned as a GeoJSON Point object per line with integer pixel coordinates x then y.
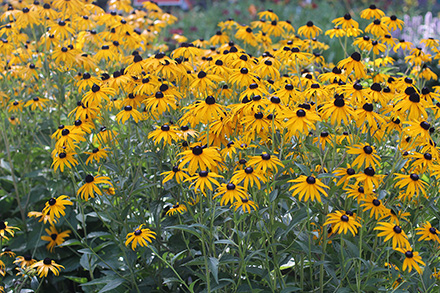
{"type": "Point", "coordinates": [114, 283]}
{"type": "Point", "coordinates": [76, 279]}
{"type": "Point", "coordinates": [303, 168]}
{"type": "Point", "coordinates": [213, 267]}
{"type": "Point", "coordinates": [290, 289]}
{"type": "Point", "coordinates": [186, 228]}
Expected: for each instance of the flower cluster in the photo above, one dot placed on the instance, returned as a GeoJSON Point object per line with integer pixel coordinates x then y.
{"type": "Point", "coordinates": [251, 124]}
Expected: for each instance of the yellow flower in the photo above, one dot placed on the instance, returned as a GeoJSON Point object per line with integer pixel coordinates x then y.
{"type": "Point", "coordinates": [412, 259]}
{"type": "Point", "coordinates": [140, 237]}
{"type": "Point", "coordinates": [428, 232]}
{"type": "Point", "coordinates": [203, 180]}
{"type": "Point", "coordinates": [44, 266]}
{"type": "Point", "coordinates": [342, 222]}
{"type": "Point", "coordinates": [54, 238]}
{"type": "Point", "coordinates": [199, 157]}
{"type": "Point", "coordinates": [55, 207]}
{"type": "Point", "coordinates": [5, 228]}
{"type": "Point", "coordinates": [177, 208]}
{"type": "Point", "coordinates": [245, 204]}
{"type": "Point", "coordinates": [89, 187]}
{"type": "Point", "coordinates": [308, 187]}
{"type": "Point", "coordinates": [126, 113]}
{"type": "Point", "coordinates": [394, 232]}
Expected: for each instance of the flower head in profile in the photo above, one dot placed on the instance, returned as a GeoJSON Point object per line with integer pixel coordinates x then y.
{"type": "Point", "coordinates": [140, 237]}
{"type": "Point", "coordinates": [24, 261]}
{"type": "Point", "coordinates": [353, 63]}
{"type": "Point", "coordinates": [178, 208]}
{"type": "Point", "coordinates": [427, 232]}
{"type": "Point", "coordinates": [342, 222]}
{"type": "Point", "coordinates": [45, 266]}
{"type": "Point", "coordinates": [372, 12]}
{"type": "Point", "coordinates": [5, 228]}
{"type": "Point", "coordinates": [310, 30]}
{"type": "Point", "coordinates": [176, 173]}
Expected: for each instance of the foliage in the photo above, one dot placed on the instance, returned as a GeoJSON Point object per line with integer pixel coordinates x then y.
{"type": "Point", "coordinates": [263, 164]}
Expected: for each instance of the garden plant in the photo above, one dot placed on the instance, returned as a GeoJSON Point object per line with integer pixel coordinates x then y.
{"type": "Point", "coordinates": [137, 161]}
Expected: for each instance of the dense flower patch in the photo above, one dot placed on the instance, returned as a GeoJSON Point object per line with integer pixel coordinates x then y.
{"type": "Point", "coordinates": [240, 163]}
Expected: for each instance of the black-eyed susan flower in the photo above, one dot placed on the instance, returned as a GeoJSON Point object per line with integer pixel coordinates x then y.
{"type": "Point", "coordinates": [90, 187]}
{"type": "Point", "coordinates": [69, 137]}
{"type": "Point", "coordinates": [265, 162]}
{"type": "Point", "coordinates": [245, 204]}
{"type": "Point", "coordinates": [128, 112]}
{"type": "Point", "coordinates": [166, 133]}
{"type": "Point", "coordinates": [338, 111]}
{"type": "Point", "coordinates": [176, 173]}
{"type": "Point", "coordinates": [300, 121]}
{"type": "Point", "coordinates": [395, 218]}
{"type": "Point", "coordinates": [412, 259]}
{"type": "Point", "coordinates": [377, 28]}
{"type": "Point", "coordinates": [308, 187]}
{"type": "Point", "coordinates": [55, 207]}
{"type": "Point", "coordinates": [353, 63]}
{"type": "Point", "coordinates": [249, 177]}
{"type": "Point", "coordinates": [178, 208]}
{"type": "Point", "coordinates": [140, 237]}
{"type": "Point", "coordinates": [413, 183]}
{"type": "Point", "coordinates": [159, 102]}
{"type": "Point", "coordinates": [392, 22]}
{"type": "Point", "coordinates": [105, 135]}
{"type": "Point", "coordinates": [97, 93]}
{"type": "Point", "coordinates": [230, 193]}
{"type": "Point", "coordinates": [15, 106]}
{"type": "Point", "coordinates": [24, 261]}
{"type": "Point", "coordinates": [372, 12]}
{"type": "Point", "coordinates": [64, 159]}
{"type": "Point", "coordinates": [7, 252]}
{"type": "Point", "coordinates": [43, 218]}
{"type": "Point", "coordinates": [394, 232]}
{"type": "Point", "coordinates": [54, 237]}
{"type": "Point", "coordinates": [342, 222]}
{"type": "Point", "coordinates": [219, 38]}
{"type": "Point", "coordinates": [45, 266]}
{"type": "Point", "coordinates": [199, 157]}
{"type": "Point", "coordinates": [346, 22]}
{"type": "Point", "coordinates": [369, 178]}
{"type": "Point", "coordinates": [346, 173]}
{"type": "Point", "coordinates": [203, 180]}
{"type": "Point", "coordinates": [5, 228]}
{"type": "Point", "coordinates": [419, 128]}
{"type": "Point", "coordinates": [97, 154]}
{"type": "Point", "coordinates": [366, 155]}
{"type": "Point", "coordinates": [310, 30]}
{"type": "Point", "coordinates": [374, 205]}
{"type": "Point", "coordinates": [427, 232]}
